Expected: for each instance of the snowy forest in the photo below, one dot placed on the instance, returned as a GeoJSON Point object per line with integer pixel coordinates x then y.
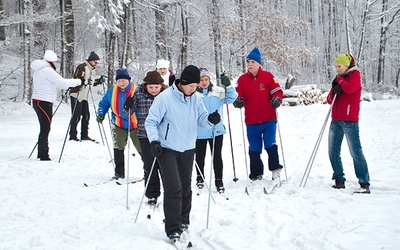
{"type": "Point", "coordinates": [298, 39]}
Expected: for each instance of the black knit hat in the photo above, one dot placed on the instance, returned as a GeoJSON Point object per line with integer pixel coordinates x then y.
{"type": "Point", "coordinates": [153, 77]}
{"type": "Point", "coordinates": [190, 74]}
{"type": "Point", "coordinates": [93, 56]}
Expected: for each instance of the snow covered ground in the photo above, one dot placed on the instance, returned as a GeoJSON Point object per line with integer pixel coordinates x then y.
{"type": "Point", "coordinates": [44, 205]}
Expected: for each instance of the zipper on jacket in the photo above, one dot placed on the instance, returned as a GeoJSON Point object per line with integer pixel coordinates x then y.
{"type": "Point", "coordinates": [166, 133]}
{"type": "Point", "coordinates": [348, 109]}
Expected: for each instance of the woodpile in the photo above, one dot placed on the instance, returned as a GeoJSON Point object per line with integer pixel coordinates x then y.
{"type": "Point", "coordinates": [303, 95]}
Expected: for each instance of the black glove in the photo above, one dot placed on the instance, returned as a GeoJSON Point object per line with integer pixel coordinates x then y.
{"type": "Point", "coordinates": [100, 118]}
{"type": "Point", "coordinates": [337, 90]}
{"type": "Point", "coordinates": [82, 81]}
{"type": "Point", "coordinates": [238, 103]}
{"type": "Point", "coordinates": [214, 117]}
{"type": "Point", "coordinates": [225, 80]}
{"type": "Point", "coordinates": [128, 103]}
{"type": "Point", "coordinates": [156, 149]}
{"type": "Point", "coordinates": [334, 83]}
{"type": "Point", "coordinates": [275, 102]}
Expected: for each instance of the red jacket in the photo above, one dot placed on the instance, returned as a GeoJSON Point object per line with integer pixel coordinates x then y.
{"type": "Point", "coordinates": [257, 93]}
{"type": "Point", "coordinates": [347, 104]}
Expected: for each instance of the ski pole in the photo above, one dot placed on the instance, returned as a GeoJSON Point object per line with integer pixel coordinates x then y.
{"type": "Point", "coordinates": [108, 146]}
{"type": "Point", "coordinates": [280, 141]}
{"type": "Point", "coordinates": [69, 126]}
{"type": "Point", "coordinates": [202, 176]}
{"type": "Point", "coordinates": [95, 112]}
{"type": "Point", "coordinates": [127, 162]}
{"type": "Point", "coordinates": [145, 188]}
{"type": "Point", "coordinates": [211, 170]}
{"type": "Point", "coordinates": [314, 152]}
{"type": "Point", "coordinates": [235, 179]}
{"type": "Point", "coordinates": [54, 113]}
{"type": "Point", "coordinates": [244, 144]}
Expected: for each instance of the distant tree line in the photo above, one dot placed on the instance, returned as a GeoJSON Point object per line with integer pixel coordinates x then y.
{"type": "Point", "coordinates": [298, 38]}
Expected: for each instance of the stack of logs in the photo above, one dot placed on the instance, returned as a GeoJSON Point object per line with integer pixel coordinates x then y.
{"type": "Point", "coordinates": [303, 95]}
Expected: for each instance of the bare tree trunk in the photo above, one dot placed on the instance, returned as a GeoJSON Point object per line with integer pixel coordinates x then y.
{"type": "Point", "coordinates": [69, 39]}
{"type": "Point", "coordinates": [161, 32]}
{"type": "Point", "coordinates": [348, 39]}
{"type": "Point", "coordinates": [28, 29]}
{"type": "Point", "coordinates": [2, 28]}
{"type": "Point", "coordinates": [382, 45]}
{"type": "Point", "coordinates": [124, 26]}
{"type": "Point", "coordinates": [185, 38]}
{"type": "Point", "coordinates": [62, 37]}
{"type": "Point", "coordinates": [216, 38]}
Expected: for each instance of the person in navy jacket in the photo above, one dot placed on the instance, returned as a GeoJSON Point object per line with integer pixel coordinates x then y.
{"type": "Point", "coordinates": [214, 97]}
{"type": "Point", "coordinates": [346, 91]}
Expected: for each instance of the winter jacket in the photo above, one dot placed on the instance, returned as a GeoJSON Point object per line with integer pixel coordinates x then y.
{"type": "Point", "coordinates": [173, 119]}
{"type": "Point", "coordinates": [87, 73]}
{"type": "Point", "coordinates": [142, 103]}
{"type": "Point", "coordinates": [257, 92]}
{"type": "Point", "coordinates": [168, 78]}
{"type": "Point", "coordinates": [115, 98]}
{"type": "Point", "coordinates": [46, 81]}
{"type": "Point", "coordinates": [347, 104]}
{"type": "Point", "coordinates": [214, 100]}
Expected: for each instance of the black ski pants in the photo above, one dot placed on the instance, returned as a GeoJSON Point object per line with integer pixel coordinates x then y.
{"type": "Point", "coordinates": [201, 148]}
{"type": "Point", "coordinates": [44, 112]}
{"type": "Point", "coordinates": [79, 109]}
{"type": "Point", "coordinates": [153, 188]}
{"type": "Point", "coordinates": [176, 173]}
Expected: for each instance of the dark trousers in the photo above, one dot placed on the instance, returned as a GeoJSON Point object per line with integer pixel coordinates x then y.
{"type": "Point", "coordinates": [176, 173]}
{"type": "Point", "coordinates": [78, 110]}
{"type": "Point", "coordinates": [201, 148]}
{"type": "Point", "coordinates": [153, 188]}
{"type": "Point", "coordinates": [44, 112]}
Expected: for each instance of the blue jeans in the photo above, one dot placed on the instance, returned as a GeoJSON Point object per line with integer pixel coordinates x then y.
{"type": "Point", "coordinates": [336, 132]}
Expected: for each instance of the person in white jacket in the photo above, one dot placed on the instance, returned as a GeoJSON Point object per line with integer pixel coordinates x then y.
{"type": "Point", "coordinates": [46, 81]}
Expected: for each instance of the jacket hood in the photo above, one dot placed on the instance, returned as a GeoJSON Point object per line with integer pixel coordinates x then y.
{"type": "Point", "coordinates": [39, 64]}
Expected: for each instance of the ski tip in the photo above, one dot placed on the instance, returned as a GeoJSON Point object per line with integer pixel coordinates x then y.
{"type": "Point", "coordinates": [86, 185]}
{"type": "Point", "coordinates": [265, 190]}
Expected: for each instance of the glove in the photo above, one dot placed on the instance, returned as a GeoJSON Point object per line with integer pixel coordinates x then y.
{"type": "Point", "coordinates": [128, 103]}
{"type": "Point", "coordinates": [82, 81]}
{"type": "Point", "coordinates": [156, 149]}
{"type": "Point", "coordinates": [100, 118]}
{"type": "Point", "coordinates": [214, 117]}
{"type": "Point", "coordinates": [334, 83]}
{"type": "Point", "coordinates": [337, 90]}
{"type": "Point", "coordinates": [225, 80]}
{"type": "Point", "coordinates": [238, 103]}
{"type": "Point", "coordinates": [275, 102]}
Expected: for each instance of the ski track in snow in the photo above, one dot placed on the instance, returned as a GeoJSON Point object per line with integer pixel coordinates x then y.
{"type": "Point", "coordinates": [44, 205]}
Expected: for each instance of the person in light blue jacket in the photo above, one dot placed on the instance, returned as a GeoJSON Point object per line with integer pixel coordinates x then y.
{"type": "Point", "coordinates": [214, 97]}
{"type": "Point", "coordinates": [171, 127]}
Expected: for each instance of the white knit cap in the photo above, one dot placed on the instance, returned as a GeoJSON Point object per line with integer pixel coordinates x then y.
{"type": "Point", "coordinates": [50, 56]}
{"type": "Point", "coordinates": [162, 63]}
{"type": "Point", "coordinates": [204, 72]}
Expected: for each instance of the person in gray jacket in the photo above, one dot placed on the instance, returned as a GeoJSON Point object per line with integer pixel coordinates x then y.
{"type": "Point", "coordinates": [171, 127]}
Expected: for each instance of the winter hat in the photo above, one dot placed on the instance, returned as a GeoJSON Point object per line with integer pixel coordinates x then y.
{"type": "Point", "coordinates": [343, 59]}
{"type": "Point", "coordinates": [204, 72]}
{"type": "Point", "coordinates": [93, 56]}
{"type": "Point", "coordinates": [162, 64]}
{"type": "Point", "coordinates": [153, 77]}
{"type": "Point", "coordinates": [122, 73]}
{"type": "Point", "coordinates": [190, 74]}
{"type": "Point", "coordinates": [255, 55]}
{"type": "Point", "coordinates": [50, 56]}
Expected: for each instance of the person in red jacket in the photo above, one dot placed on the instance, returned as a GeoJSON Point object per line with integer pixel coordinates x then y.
{"type": "Point", "coordinates": [260, 94]}
{"type": "Point", "coordinates": [345, 97]}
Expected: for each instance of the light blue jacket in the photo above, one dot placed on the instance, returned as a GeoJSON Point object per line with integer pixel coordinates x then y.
{"type": "Point", "coordinates": [173, 119]}
{"type": "Point", "coordinates": [214, 100]}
